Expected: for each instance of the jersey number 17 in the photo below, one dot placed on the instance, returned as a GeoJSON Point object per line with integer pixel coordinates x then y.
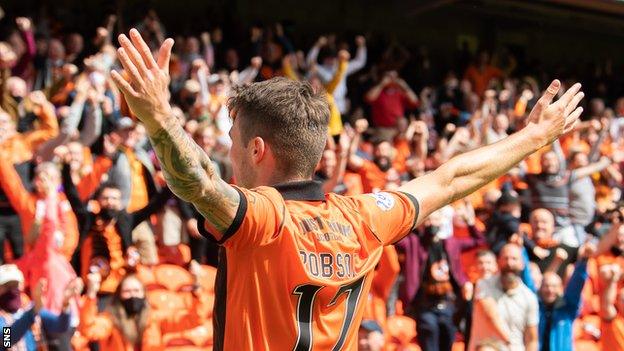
{"type": "Point", "coordinates": [307, 294]}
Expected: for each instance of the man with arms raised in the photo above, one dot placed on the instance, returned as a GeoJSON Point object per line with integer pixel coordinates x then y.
{"type": "Point", "coordinates": [295, 263]}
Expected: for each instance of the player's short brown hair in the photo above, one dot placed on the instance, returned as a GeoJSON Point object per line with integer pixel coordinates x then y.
{"type": "Point", "coordinates": [290, 116]}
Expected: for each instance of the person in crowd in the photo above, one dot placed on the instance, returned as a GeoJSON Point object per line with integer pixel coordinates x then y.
{"type": "Point", "coordinates": [19, 149]}
{"type": "Point", "coordinates": [505, 309]}
{"type": "Point", "coordinates": [370, 336]}
{"type": "Point", "coordinates": [328, 68]}
{"type": "Point", "coordinates": [558, 307]}
{"type": "Point", "coordinates": [133, 172]}
{"type": "Point", "coordinates": [433, 279]}
{"type": "Point", "coordinates": [611, 308]}
{"type": "Point", "coordinates": [46, 262]}
{"type": "Point", "coordinates": [128, 322]}
{"type": "Point", "coordinates": [31, 207]}
{"type": "Point", "coordinates": [59, 110]}
{"type": "Point", "coordinates": [481, 73]}
{"type": "Point", "coordinates": [550, 189]}
{"type": "Point", "coordinates": [547, 246]}
{"type": "Point", "coordinates": [390, 98]}
{"type": "Point", "coordinates": [505, 223]}
{"type": "Point", "coordinates": [108, 234]}
{"type": "Point", "coordinates": [30, 321]}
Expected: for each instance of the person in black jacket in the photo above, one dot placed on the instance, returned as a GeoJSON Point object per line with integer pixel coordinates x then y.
{"type": "Point", "coordinates": [106, 236]}
{"type": "Point", "coordinates": [202, 250]}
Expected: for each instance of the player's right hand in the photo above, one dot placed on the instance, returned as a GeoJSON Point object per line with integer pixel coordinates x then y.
{"type": "Point", "coordinates": [147, 88]}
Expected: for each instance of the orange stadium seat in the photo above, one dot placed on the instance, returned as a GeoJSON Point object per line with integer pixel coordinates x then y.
{"type": "Point", "coordinates": [582, 339]}
{"type": "Point", "coordinates": [79, 342]}
{"type": "Point", "coordinates": [161, 299]}
{"type": "Point", "coordinates": [207, 278]}
{"type": "Point", "coordinates": [201, 336]}
{"type": "Point", "coordinates": [172, 277]}
{"type": "Point", "coordinates": [402, 332]}
{"type": "Point", "coordinates": [147, 277]}
{"type": "Point", "coordinates": [208, 299]}
{"type": "Point", "coordinates": [458, 346]}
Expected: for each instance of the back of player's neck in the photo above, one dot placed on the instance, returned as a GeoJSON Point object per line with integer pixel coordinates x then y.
{"type": "Point", "coordinates": [285, 180]}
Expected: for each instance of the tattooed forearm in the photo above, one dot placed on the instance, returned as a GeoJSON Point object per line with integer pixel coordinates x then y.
{"type": "Point", "coordinates": [191, 176]}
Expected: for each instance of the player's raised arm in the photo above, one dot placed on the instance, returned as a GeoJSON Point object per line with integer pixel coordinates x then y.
{"type": "Point", "coordinates": [467, 172]}
{"type": "Point", "coordinates": [187, 169]}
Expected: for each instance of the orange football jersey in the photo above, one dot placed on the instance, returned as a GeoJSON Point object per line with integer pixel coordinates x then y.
{"type": "Point", "coordinates": [296, 265]}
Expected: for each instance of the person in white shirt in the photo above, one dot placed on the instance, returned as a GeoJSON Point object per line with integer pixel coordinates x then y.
{"type": "Point", "coordinates": [328, 67]}
{"type": "Point", "coordinates": [505, 309]}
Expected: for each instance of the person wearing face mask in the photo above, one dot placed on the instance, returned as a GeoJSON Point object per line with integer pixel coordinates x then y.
{"type": "Point", "coordinates": [108, 233]}
{"type": "Point", "coordinates": [29, 322]}
{"type": "Point", "coordinates": [128, 323]}
{"type": "Point", "coordinates": [433, 279]}
{"type": "Point", "coordinates": [505, 223]}
{"type": "Point", "coordinates": [506, 310]}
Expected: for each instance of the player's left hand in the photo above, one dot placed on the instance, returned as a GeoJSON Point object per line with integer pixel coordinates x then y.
{"type": "Point", "coordinates": [147, 88]}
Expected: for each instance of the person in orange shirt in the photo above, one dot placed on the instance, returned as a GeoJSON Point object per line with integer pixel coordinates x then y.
{"type": "Point", "coordinates": [128, 323]}
{"type": "Point", "coordinates": [385, 275]}
{"type": "Point", "coordinates": [295, 262]}
{"type": "Point", "coordinates": [21, 146]}
{"type": "Point", "coordinates": [19, 149]}
{"type": "Point", "coordinates": [481, 74]}
{"type": "Point", "coordinates": [31, 207]}
{"type": "Point", "coordinates": [612, 308]}
{"type": "Point", "coordinates": [374, 173]}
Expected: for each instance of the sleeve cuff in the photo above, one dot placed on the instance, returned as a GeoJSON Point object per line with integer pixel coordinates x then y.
{"type": "Point", "coordinates": [238, 220]}
{"type": "Point", "coordinates": [416, 207]}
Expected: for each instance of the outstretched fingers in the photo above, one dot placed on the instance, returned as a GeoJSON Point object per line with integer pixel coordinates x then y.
{"type": "Point", "coordinates": [545, 99]}
{"type": "Point", "coordinates": [164, 54]}
{"type": "Point", "coordinates": [569, 95]}
{"type": "Point", "coordinates": [134, 56]}
{"type": "Point", "coordinates": [143, 49]}
{"type": "Point", "coordinates": [550, 93]}
{"type": "Point", "coordinates": [129, 67]}
{"type": "Point", "coordinates": [122, 84]}
{"type": "Point", "coordinates": [573, 103]}
{"type": "Point", "coordinates": [572, 120]}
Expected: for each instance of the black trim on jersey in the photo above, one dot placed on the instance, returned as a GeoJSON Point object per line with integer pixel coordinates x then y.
{"type": "Point", "coordinates": [218, 319]}
{"type": "Point", "coordinates": [238, 220]}
{"type": "Point", "coordinates": [306, 190]}
{"type": "Point", "coordinates": [416, 207]}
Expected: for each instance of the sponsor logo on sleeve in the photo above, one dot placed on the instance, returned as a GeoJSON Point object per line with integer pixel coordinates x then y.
{"type": "Point", "coordinates": [383, 200]}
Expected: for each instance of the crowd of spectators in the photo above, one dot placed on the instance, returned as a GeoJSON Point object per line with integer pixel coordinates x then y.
{"type": "Point", "coordinates": [97, 253]}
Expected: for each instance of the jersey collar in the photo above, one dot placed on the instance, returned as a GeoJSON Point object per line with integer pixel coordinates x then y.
{"type": "Point", "coordinates": [306, 190]}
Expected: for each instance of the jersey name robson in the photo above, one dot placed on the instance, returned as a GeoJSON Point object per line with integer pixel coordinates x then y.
{"type": "Point", "coordinates": [328, 265]}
